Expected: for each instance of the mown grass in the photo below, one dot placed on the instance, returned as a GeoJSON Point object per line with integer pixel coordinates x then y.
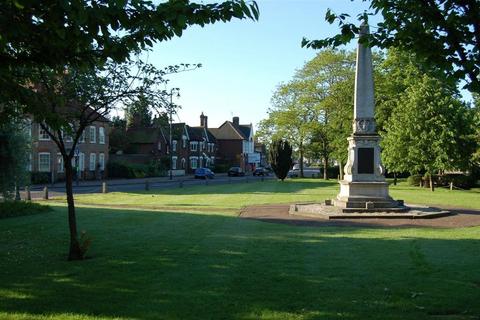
{"type": "Point", "coordinates": [231, 197]}
{"type": "Point", "coordinates": [180, 265]}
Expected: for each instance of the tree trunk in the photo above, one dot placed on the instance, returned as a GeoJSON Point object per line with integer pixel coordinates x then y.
{"type": "Point", "coordinates": [301, 160]}
{"type": "Point", "coordinates": [432, 186]}
{"type": "Point", "coordinates": [340, 169]}
{"type": "Point", "coordinates": [325, 167]}
{"type": "Point", "coordinates": [75, 252]}
{"type": "Point", "coordinates": [394, 178]}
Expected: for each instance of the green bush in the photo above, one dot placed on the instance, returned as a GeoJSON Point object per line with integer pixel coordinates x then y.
{"type": "Point", "coordinates": [21, 208]}
{"type": "Point", "coordinates": [221, 167]}
{"type": "Point", "coordinates": [39, 177]}
{"type": "Point", "coordinates": [134, 170]}
{"type": "Point", "coordinates": [414, 180]}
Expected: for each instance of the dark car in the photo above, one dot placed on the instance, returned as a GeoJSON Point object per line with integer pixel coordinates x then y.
{"type": "Point", "coordinates": [260, 172]}
{"type": "Point", "coordinates": [204, 173]}
{"type": "Point", "coordinates": [235, 172]}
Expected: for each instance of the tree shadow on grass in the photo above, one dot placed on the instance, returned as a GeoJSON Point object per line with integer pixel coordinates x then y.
{"type": "Point", "coordinates": [290, 186]}
{"type": "Point", "coordinates": [152, 265]}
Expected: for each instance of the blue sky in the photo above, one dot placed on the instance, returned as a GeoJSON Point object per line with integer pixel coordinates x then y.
{"type": "Point", "coordinates": [243, 61]}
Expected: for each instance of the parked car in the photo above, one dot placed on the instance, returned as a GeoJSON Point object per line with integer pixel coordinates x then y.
{"type": "Point", "coordinates": [204, 173]}
{"type": "Point", "coordinates": [260, 172]}
{"type": "Point", "coordinates": [307, 172]}
{"type": "Point", "coordinates": [235, 172]}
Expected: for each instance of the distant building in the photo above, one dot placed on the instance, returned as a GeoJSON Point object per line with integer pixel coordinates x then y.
{"type": "Point", "coordinates": [235, 144]}
{"type": "Point", "coordinates": [90, 161]}
{"type": "Point", "coordinates": [191, 147]}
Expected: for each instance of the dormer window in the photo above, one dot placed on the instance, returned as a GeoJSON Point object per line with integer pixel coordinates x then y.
{"type": "Point", "coordinates": [174, 145]}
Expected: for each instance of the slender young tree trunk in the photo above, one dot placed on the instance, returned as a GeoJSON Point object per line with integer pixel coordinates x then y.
{"type": "Point", "coordinates": [432, 186]}
{"type": "Point", "coordinates": [301, 159]}
{"type": "Point", "coordinates": [75, 252]}
{"type": "Point", "coordinates": [325, 167]}
{"type": "Point", "coordinates": [394, 178]}
{"type": "Point", "coordinates": [340, 169]}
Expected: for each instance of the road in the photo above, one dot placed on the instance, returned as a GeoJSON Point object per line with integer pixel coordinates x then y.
{"type": "Point", "coordinates": [125, 185]}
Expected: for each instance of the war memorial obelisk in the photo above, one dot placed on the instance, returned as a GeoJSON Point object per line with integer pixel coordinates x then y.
{"type": "Point", "coordinates": [364, 186]}
{"type": "Point", "coordinates": [363, 190]}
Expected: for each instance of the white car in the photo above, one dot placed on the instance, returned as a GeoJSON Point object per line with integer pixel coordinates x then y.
{"type": "Point", "coordinates": [307, 172]}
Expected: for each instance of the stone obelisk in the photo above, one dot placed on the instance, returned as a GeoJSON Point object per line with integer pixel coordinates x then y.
{"type": "Point", "coordinates": [364, 187]}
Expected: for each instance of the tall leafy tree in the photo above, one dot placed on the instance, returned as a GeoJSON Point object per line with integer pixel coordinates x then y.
{"type": "Point", "coordinates": [70, 101]}
{"type": "Point", "coordinates": [139, 113]}
{"type": "Point", "coordinates": [85, 34]}
{"type": "Point", "coordinates": [444, 33]}
{"type": "Point", "coordinates": [300, 111]}
{"type": "Point", "coordinates": [429, 131]}
{"type": "Point", "coordinates": [14, 144]}
{"type": "Point", "coordinates": [281, 158]}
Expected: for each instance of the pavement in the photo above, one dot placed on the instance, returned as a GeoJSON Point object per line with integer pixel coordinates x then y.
{"type": "Point", "coordinates": [124, 185]}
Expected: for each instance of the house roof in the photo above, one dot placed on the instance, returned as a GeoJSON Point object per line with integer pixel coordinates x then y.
{"type": "Point", "coordinates": [229, 131]}
{"type": "Point", "coordinates": [245, 129]}
{"type": "Point", "coordinates": [196, 133]}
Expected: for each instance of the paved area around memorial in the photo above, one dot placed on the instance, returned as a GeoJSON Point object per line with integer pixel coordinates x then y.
{"type": "Point", "coordinates": [280, 214]}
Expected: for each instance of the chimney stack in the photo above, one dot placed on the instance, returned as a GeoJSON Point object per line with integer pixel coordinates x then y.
{"type": "Point", "coordinates": [203, 121]}
{"type": "Point", "coordinates": [236, 121]}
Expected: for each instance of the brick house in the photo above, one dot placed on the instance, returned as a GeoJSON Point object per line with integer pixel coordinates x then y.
{"type": "Point", "coordinates": [192, 147]}
{"type": "Point", "coordinates": [235, 144]}
{"type": "Point", "coordinates": [91, 161]}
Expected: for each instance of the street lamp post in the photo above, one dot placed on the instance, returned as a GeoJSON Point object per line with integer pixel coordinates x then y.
{"type": "Point", "coordinates": [170, 112]}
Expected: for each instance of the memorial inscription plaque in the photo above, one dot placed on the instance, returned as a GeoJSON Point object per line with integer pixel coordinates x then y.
{"type": "Point", "coordinates": [366, 160]}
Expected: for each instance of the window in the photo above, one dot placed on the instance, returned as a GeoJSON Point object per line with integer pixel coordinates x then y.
{"type": "Point", "coordinates": [212, 161]}
{"type": "Point", "coordinates": [93, 161]}
{"type": "Point", "coordinates": [174, 145]}
{"type": "Point", "coordinates": [193, 146]}
{"type": "Point", "coordinates": [44, 162]}
{"type": "Point", "coordinates": [82, 137]}
{"type": "Point", "coordinates": [101, 135]}
{"type": "Point", "coordinates": [184, 142]}
{"type": "Point", "coordinates": [183, 163]}
{"type": "Point", "coordinates": [159, 146]}
{"type": "Point", "coordinates": [193, 162]}
{"type": "Point", "coordinates": [93, 134]}
{"type": "Point", "coordinates": [81, 161]}
{"type": "Point", "coordinates": [29, 163]}
{"type": "Point", "coordinates": [28, 128]}
{"type": "Point", "coordinates": [101, 161]}
{"type": "Point", "coordinates": [174, 163]}
{"type": "Point", "coordinates": [42, 134]}
{"type": "Point", "coordinates": [59, 163]}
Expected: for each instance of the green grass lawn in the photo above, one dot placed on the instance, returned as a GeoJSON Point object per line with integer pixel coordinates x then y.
{"type": "Point", "coordinates": [205, 263]}
{"type": "Point", "coordinates": [231, 197]}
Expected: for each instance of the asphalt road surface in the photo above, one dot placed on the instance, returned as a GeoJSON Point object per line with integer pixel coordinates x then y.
{"type": "Point", "coordinates": [58, 190]}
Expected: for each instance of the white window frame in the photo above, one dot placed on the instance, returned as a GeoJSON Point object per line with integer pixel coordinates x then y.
{"type": "Point", "coordinates": [101, 161]}
{"type": "Point", "coordinates": [101, 135]}
{"type": "Point", "coordinates": [174, 163]}
{"type": "Point", "coordinates": [159, 145]}
{"type": "Point", "coordinates": [92, 160]}
{"type": "Point", "coordinates": [184, 142]}
{"type": "Point", "coordinates": [174, 146]}
{"type": "Point", "coordinates": [212, 160]}
{"type": "Point", "coordinates": [193, 145]}
{"type": "Point", "coordinates": [82, 137]}
{"type": "Point", "coordinates": [42, 134]}
{"type": "Point", "coordinates": [59, 163]}
{"type": "Point", "coordinates": [40, 154]}
{"type": "Point", "coordinates": [93, 133]}
{"type": "Point", "coordinates": [182, 163]}
{"type": "Point", "coordinates": [29, 163]}
{"type": "Point", "coordinates": [81, 161]}
{"type": "Point", "coordinates": [194, 162]}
